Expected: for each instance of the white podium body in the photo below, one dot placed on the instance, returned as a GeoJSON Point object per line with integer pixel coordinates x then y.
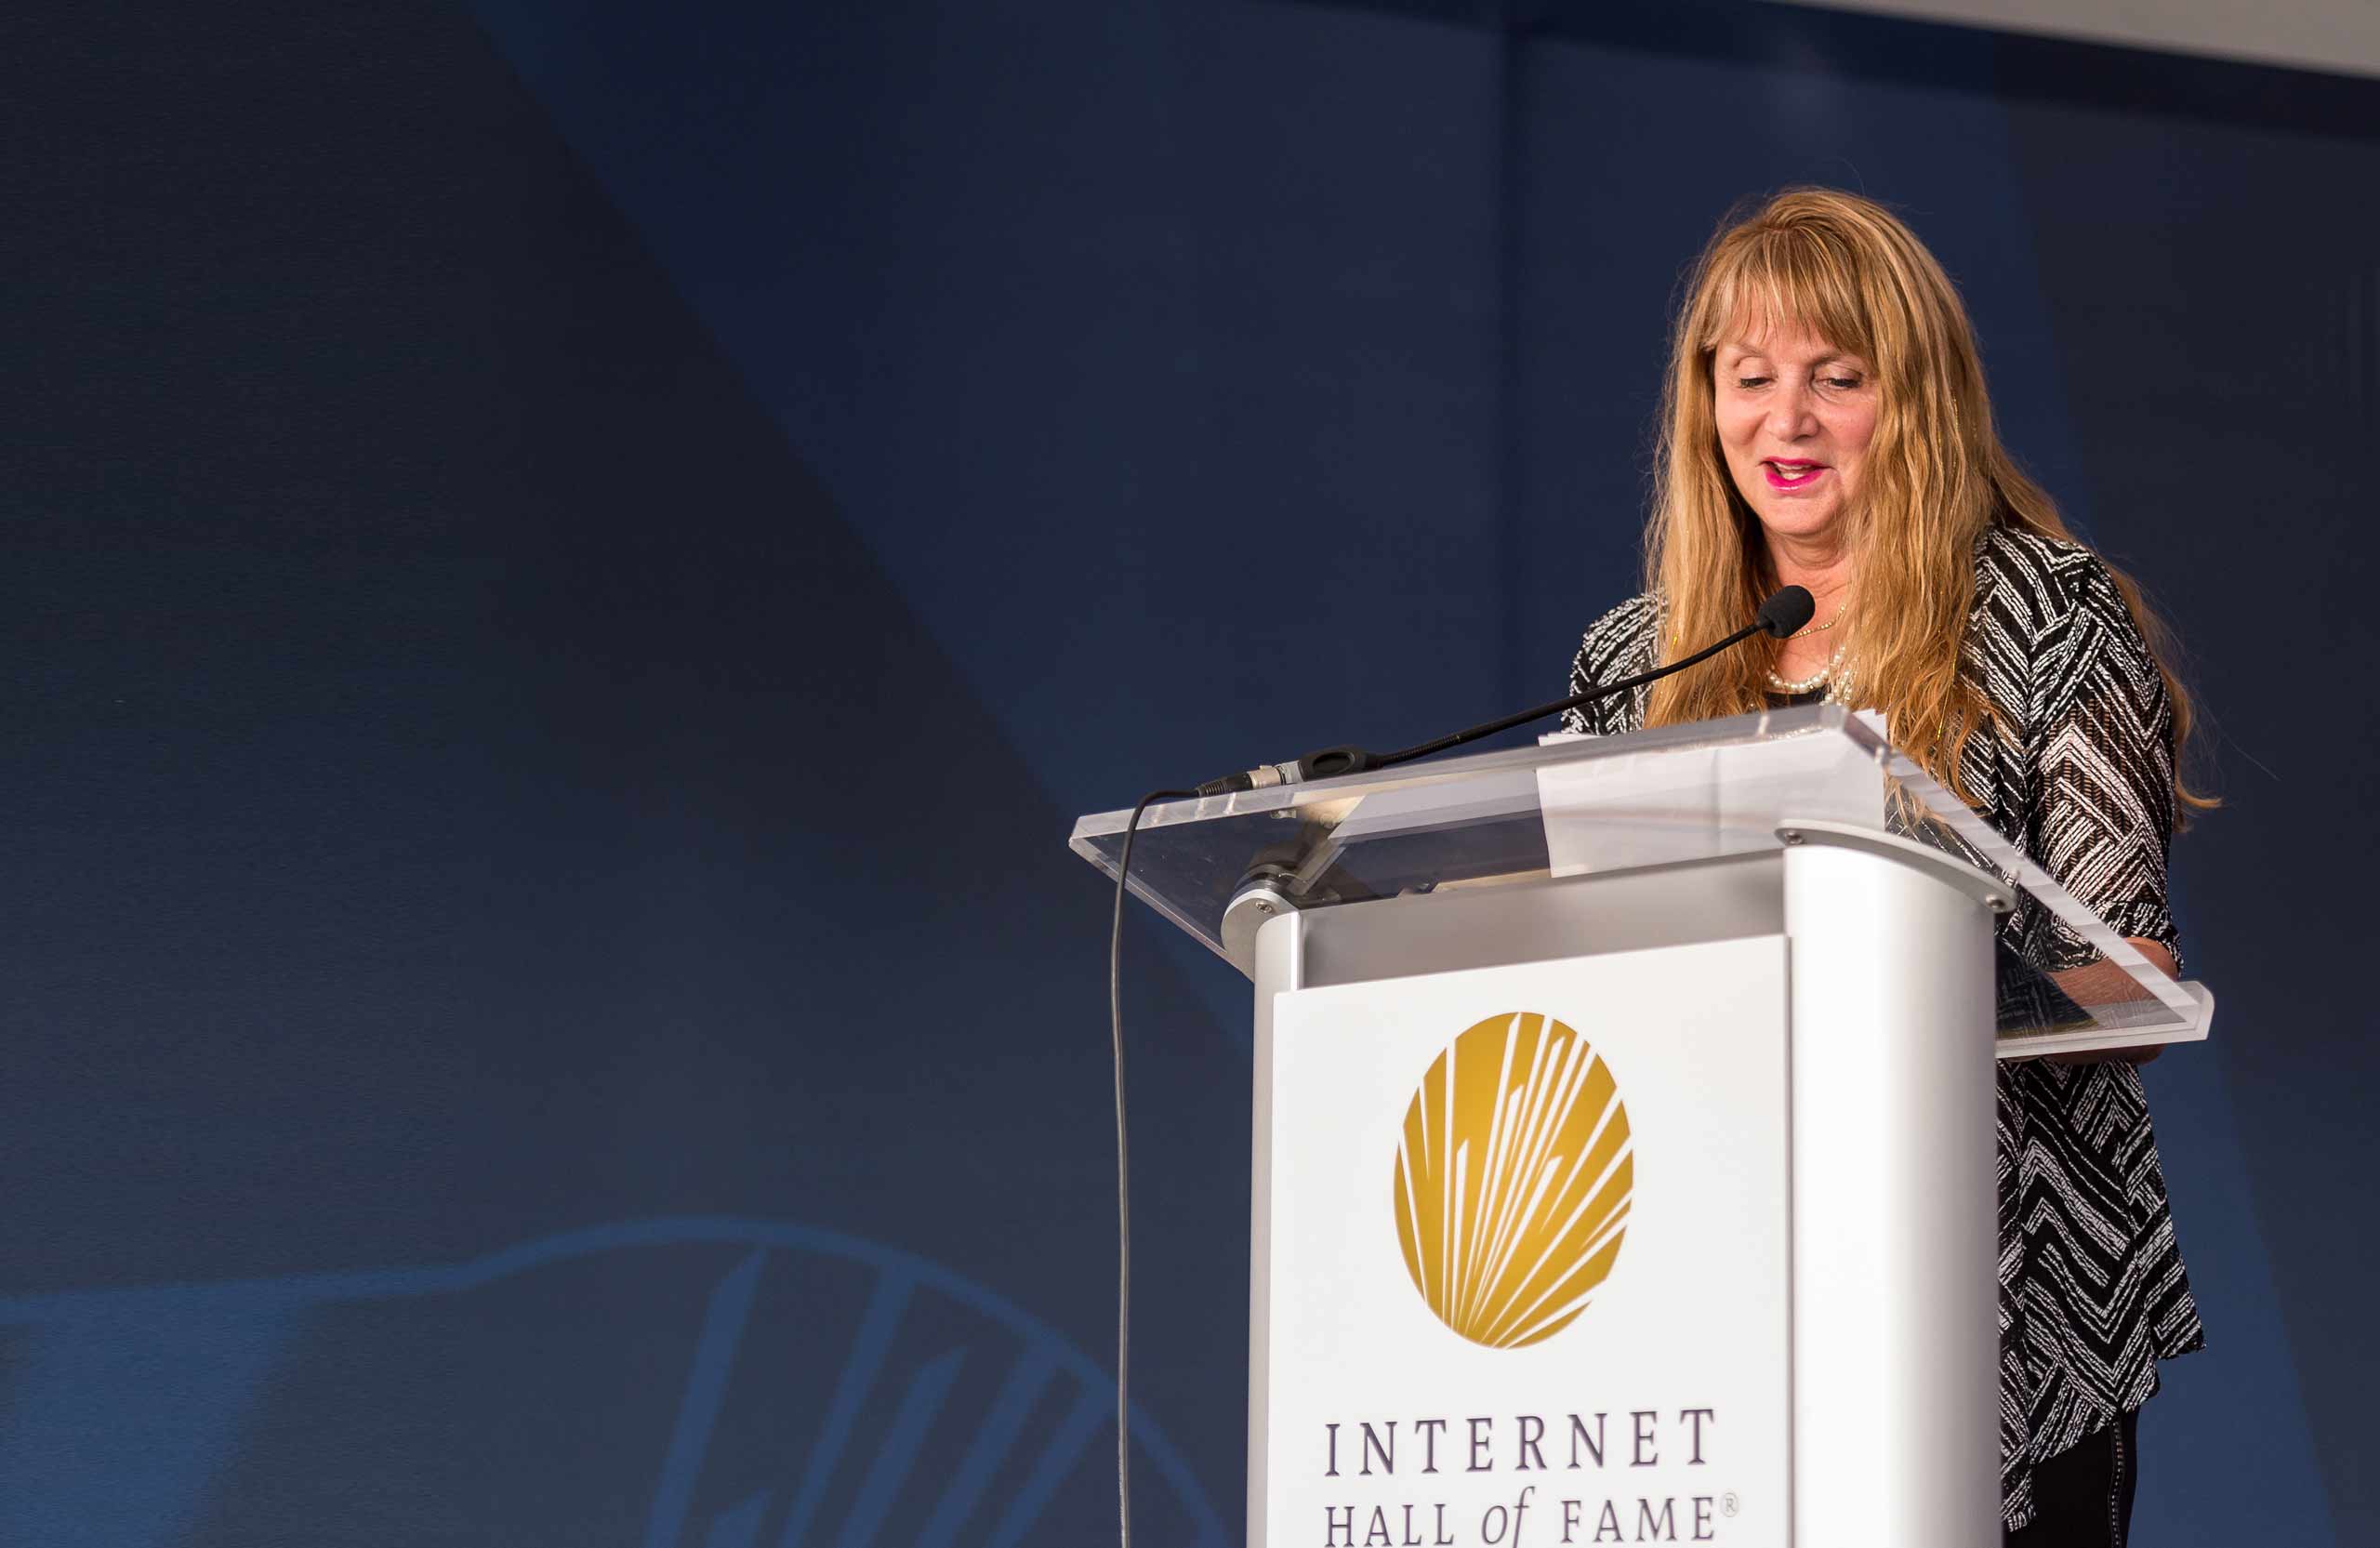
{"type": "Point", "coordinates": [1623, 1140]}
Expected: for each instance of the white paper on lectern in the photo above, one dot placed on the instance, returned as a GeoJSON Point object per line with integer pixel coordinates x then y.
{"type": "Point", "coordinates": [1696, 803]}
{"type": "Point", "coordinates": [1692, 1316]}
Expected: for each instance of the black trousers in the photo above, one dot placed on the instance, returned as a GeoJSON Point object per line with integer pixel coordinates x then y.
{"type": "Point", "coordinates": [2083, 1495]}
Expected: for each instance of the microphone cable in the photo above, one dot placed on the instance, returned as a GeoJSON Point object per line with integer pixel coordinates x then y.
{"type": "Point", "coordinates": [1124, 1175]}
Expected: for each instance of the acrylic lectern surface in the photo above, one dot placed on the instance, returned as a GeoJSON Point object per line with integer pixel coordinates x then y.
{"type": "Point", "coordinates": [1575, 806]}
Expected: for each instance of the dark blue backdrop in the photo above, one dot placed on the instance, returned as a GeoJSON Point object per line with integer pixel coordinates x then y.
{"type": "Point", "coordinates": [568, 565]}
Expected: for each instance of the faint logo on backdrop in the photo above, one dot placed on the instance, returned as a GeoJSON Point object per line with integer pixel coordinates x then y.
{"type": "Point", "coordinates": [698, 1382]}
{"type": "Point", "coordinates": [1513, 1178]}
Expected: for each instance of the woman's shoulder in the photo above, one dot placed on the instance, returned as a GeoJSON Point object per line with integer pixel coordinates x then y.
{"type": "Point", "coordinates": [2030, 583]}
{"type": "Point", "coordinates": [2053, 624]}
{"type": "Point", "coordinates": [1622, 641]}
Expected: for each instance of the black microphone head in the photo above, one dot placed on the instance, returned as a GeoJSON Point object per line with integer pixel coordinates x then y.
{"type": "Point", "coordinates": [1787, 611]}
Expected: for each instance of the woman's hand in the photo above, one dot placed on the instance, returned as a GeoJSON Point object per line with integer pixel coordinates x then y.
{"type": "Point", "coordinates": [2102, 983]}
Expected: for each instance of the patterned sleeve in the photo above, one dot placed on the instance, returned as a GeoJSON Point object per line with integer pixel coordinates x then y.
{"type": "Point", "coordinates": [2101, 734]}
{"type": "Point", "coordinates": [1621, 644]}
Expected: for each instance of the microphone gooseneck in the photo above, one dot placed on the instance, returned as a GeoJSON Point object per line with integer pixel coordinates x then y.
{"type": "Point", "coordinates": [1785, 610]}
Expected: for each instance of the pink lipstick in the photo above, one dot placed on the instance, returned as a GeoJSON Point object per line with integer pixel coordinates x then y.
{"type": "Point", "coordinates": [1788, 473]}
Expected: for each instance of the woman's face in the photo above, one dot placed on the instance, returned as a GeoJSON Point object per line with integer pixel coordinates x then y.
{"type": "Point", "coordinates": [1795, 415]}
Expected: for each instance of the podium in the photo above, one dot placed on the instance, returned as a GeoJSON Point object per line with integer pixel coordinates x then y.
{"type": "Point", "coordinates": [1624, 1133]}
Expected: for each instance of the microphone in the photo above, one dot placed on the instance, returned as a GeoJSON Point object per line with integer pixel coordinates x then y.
{"type": "Point", "coordinates": [1786, 611]}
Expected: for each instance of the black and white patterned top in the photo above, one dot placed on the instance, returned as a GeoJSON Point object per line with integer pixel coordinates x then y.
{"type": "Point", "coordinates": [2092, 1288]}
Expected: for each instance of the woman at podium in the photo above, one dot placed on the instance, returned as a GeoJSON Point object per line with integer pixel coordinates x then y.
{"type": "Point", "coordinates": [1825, 424]}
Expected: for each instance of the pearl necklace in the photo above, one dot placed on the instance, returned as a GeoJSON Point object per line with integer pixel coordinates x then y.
{"type": "Point", "coordinates": [1809, 684]}
{"type": "Point", "coordinates": [1833, 663]}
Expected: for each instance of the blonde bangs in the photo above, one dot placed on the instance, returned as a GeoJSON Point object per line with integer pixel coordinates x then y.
{"type": "Point", "coordinates": [1786, 278]}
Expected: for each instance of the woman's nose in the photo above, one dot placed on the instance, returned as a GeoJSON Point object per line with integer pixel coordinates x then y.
{"type": "Point", "coordinates": [1789, 411]}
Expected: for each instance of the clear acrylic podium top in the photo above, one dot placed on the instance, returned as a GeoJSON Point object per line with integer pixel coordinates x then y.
{"type": "Point", "coordinates": [1578, 806]}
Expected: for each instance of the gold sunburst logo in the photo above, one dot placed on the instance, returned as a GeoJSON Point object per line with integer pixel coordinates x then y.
{"type": "Point", "coordinates": [1512, 1180]}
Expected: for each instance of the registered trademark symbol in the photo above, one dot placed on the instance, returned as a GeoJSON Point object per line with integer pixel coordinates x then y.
{"type": "Point", "coordinates": [1729, 1504]}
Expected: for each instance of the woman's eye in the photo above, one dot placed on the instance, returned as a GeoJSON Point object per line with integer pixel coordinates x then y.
{"type": "Point", "coordinates": [1842, 384]}
{"type": "Point", "coordinates": [1751, 381]}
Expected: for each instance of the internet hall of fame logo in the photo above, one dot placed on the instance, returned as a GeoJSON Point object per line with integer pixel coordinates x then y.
{"type": "Point", "coordinates": [1512, 1180]}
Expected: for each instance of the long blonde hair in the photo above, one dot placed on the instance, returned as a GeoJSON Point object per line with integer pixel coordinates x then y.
{"type": "Point", "coordinates": [1934, 479]}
